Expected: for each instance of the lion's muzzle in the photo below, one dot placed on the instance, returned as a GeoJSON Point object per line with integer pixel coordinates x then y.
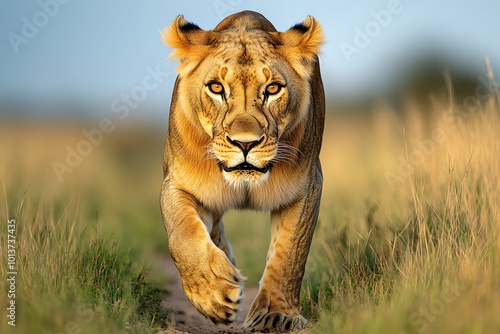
{"type": "Point", "coordinates": [245, 142]}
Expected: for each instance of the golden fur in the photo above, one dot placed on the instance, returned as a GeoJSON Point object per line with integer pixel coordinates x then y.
{"type": "Point", "coordinates": [245, 130]}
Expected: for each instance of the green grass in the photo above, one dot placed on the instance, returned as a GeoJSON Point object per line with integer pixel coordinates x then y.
{"type": "Point", "coordinates": [70, 279]}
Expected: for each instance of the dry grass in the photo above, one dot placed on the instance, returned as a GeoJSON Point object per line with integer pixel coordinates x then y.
{"type": "Point", "coordinates": [409, 235]}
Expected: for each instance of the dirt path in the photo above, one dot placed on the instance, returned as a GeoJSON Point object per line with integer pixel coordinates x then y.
{"type": "Point", "coordinates": [185, 318]}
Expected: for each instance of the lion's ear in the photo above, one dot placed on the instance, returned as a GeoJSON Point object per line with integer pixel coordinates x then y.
{"type": "Point", "coordinates": [301, 44]}
{"type": "Point", "coordinates": [190, 42]}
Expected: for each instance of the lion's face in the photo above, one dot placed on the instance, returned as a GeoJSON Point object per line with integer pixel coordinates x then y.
{"type": "Point", "coordinates": [246, 92]}
{"type": "Point", "coordinates": [245, 106]}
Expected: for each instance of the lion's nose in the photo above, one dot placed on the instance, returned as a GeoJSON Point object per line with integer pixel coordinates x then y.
{"type": "Point", "coordinates": [245, 146]}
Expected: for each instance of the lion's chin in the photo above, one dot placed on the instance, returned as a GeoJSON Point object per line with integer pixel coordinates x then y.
{"type": "Point", "coordinates": [247, 178]}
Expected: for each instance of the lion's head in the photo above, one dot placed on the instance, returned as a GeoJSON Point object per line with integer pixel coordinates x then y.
{"type": "Point", "coordinates": [247, 87]}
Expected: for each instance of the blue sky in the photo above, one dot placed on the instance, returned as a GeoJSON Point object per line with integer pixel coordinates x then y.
{"type": "Point", "coordinates": [94, 51]}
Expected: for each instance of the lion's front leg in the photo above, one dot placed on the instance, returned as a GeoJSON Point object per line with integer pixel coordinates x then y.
{"type": "Point", "coordinates": [219, 239]}
{"type": "Point", "coordinates": [276, 306]}
{"type": "Point", "coordinates": [211, 282]}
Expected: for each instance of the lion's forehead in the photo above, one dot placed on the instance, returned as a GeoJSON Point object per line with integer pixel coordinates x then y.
{"type": "Point", "coordinates": [254, 37]}
{"type": "Point", "coordinates": [245, 49]}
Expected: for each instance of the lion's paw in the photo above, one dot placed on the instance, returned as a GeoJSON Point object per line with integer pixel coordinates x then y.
{"type": "Point", "coordinates": [275, 321]}
{"type": "Point", "coordinates": [261, 319]}
{"type": "Point", "coordinates": [215, 287]}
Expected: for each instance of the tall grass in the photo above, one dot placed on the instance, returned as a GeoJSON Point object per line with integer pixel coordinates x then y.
{"type": "Point", "coordinates": [419, 255]}
{"type": "Point", "coordinates": [69, 279]}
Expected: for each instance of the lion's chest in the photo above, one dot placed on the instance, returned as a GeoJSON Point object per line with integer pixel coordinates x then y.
{"type": "Point", "coordinates": [213, 192]}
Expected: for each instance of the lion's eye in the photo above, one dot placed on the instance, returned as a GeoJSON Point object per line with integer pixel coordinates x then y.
{"type": "Point", "coordinates": [273, 89]}
{"type": "Point", "coordinates": [216, 87]}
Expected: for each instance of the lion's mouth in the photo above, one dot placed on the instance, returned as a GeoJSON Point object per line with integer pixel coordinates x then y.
{"type": "Point", "coordinates": [246, 166]}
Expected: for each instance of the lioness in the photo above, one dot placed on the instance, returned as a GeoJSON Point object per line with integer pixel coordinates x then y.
{"type": "Point", "coordinates": [245, 130]}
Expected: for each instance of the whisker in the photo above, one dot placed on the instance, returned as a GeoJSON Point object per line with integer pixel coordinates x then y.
{"type": "Point", "coordinates": [287, 153]}
{"type": "Point", "coordinates": [209, 152]}
{"type": "Point", "coordinates": [290, 148]}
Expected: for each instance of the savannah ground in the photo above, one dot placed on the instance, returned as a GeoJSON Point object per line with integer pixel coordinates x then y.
{"type": "Point", "coordinates": [407, 241]}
